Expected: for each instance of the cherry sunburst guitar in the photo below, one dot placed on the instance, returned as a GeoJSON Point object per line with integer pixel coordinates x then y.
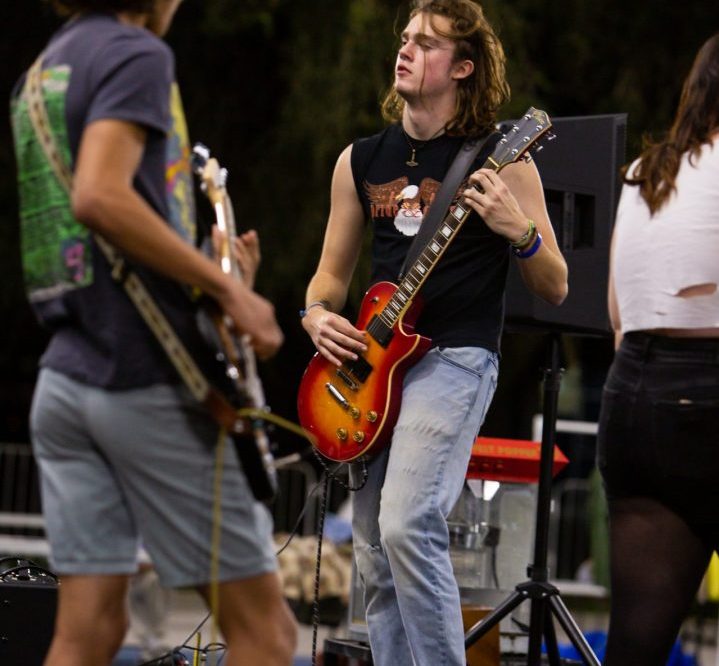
{"type": "Point", "coordinates": [351, 410]}
{"type": "Point", "coordinates": [234, 352]}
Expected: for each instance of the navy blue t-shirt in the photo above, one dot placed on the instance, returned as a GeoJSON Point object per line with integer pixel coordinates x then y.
{"type": "Point", "coordinates": [96, 68]}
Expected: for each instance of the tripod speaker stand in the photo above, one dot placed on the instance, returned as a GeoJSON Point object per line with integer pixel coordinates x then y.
{"type": "Point", "coordinates": [544, 597]}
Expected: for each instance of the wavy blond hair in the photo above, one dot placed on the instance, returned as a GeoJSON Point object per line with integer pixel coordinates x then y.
{"type": "Point", "coordinates": [482, 93]}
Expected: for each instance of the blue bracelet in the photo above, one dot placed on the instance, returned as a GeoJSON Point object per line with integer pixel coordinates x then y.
{"type": "Point", "coordinates": [525, 254]}
{"type": "Point", "coordinates": [322, 303]}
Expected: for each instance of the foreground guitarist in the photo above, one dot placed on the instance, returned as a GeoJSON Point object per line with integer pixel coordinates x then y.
{"type": "Point", "coordinates": [123, 449]}
{"type": "Point", "coordinates": [449, 82]}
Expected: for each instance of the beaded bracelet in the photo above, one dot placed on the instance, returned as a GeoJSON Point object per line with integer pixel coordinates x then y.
{"type": "Point", "coordinates": [323, 303]}
{"type": "Point", "coordinates": [528, 252]}
{"type": "Point", "coordinates": [525, 240]}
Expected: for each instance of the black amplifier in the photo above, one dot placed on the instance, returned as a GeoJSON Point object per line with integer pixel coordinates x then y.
{"type": "Point", "coordinates": [28, 600]}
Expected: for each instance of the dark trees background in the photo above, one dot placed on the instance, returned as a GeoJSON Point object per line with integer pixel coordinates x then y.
{"type": "Point", "coordinates": [277, 88]}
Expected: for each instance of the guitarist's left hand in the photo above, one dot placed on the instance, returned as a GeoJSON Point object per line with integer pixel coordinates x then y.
{"type": "Point", "coordinates": [509, 200]}
{"type": "Point", "coordinates": [496, 204]}
{"type": "Point", "coordinates": [246, 249]}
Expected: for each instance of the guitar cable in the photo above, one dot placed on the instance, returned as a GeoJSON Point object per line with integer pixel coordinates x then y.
{"type": "Point", "coordinates": [328, 475]}
{"type": "Point", "coordinates": [175, 656]}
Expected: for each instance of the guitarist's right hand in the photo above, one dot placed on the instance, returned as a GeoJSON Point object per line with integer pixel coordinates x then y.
{"type": "Point", "coordinates": [254, 316]}
{"type": "Point", "coordinates": [333, 336]}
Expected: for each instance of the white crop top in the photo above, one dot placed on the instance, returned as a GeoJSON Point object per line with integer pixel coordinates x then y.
{"type": "Point", "coordinates": [655, 258]}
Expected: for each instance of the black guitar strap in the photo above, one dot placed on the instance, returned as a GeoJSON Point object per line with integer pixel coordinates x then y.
{"type": "Point", "coordinates": [442, 200]}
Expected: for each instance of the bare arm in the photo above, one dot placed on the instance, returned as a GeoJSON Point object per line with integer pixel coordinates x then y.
{"type": "Point", "coordinates": [334, 336]}
{"type": "Point", "coordinates": [508, 202]}
{"type": "Point", "coordinates": [104, 199]}
{"type": "Point", "coordinates": [612, 304]}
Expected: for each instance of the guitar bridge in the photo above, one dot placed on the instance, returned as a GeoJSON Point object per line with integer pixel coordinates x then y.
{"type": "Point", "coordinates": [351, 383]}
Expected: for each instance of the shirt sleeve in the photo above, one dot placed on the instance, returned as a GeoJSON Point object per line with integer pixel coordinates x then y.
{"type": "Point", "coordinates": [134, 80]}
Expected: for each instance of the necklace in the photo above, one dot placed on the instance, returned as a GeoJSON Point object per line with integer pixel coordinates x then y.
{"type": "Point", "coordinates": [412, 162]}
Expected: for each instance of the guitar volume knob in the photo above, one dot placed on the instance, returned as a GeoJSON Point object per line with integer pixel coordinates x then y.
{"type": "Point", "coordinates": [342, 434]}
{"type": "Point", "coordinates": [358, 436]}
{"type": "Point", "coordinates": [354, 413]}
{"type": "Point", "coordinates": [372, 416]}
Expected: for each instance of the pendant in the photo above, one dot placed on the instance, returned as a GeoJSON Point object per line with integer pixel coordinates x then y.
{"type": "Point", "coordinates": [410, 162]}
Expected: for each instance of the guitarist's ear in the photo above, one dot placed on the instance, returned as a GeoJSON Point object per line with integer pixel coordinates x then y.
{"type": "Point", "coordinates": [462, 69]}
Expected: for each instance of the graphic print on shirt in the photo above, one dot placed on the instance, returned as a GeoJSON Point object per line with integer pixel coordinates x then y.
{"type": "Point", "coordinates": [56, 254]}
{"type": "Point", "coordinates": [407, 205]}
{"type": "Point", "coordinates": [180, 192]}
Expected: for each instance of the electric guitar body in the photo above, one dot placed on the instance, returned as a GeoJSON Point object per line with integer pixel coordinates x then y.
{"type": "Point", "coordinates": [351, 410]}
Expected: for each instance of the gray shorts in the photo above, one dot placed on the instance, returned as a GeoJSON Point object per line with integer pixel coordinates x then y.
{"type": "Point", "coordinates": [120, 466]}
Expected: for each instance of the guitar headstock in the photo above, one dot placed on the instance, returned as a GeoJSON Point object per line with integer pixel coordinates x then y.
{"type": "Point", "coordinates": [213, 178]}
{"type": "Point", "coordinates": [525, 133]}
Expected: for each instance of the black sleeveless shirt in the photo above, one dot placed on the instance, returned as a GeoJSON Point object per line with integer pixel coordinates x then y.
{"type": "Point", "coordinates": [464, 296]}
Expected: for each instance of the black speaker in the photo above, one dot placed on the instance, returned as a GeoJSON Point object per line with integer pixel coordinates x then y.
{"type": "Point", "coordinates": [580, 175]}
{"type": "Point", "coordinates": [28, 601]}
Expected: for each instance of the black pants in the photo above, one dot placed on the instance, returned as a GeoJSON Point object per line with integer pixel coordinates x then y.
{"type": "Point", "coordinates": [658, 452]}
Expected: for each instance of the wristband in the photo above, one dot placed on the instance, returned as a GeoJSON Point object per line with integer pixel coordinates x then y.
{"type": "Point", "coordinates": [525, 254]}
{"type": "Point", "coordinates": [324, 304]}
{"type": "Point", "coordinates": [527, 238]}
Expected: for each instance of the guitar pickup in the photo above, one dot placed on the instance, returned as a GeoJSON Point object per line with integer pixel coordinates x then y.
{"type": "Point", "coordinates": [359, 368]}
{"type": "Point", "coordinates": [345, 377]}
{"type": "Point", "coordinates": [382, 333]}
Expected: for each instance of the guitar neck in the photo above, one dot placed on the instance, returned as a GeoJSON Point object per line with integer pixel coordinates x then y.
{"type": "Point", "coordinates": [226, 222]}
{"type": "Point", "coordinates": [420, 270]}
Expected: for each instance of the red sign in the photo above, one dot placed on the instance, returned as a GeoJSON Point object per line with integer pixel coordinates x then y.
{"type": "Point", "coordinates": [512, 460]}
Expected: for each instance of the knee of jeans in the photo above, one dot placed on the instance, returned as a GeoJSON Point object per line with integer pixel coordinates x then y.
{"type": "Point", "coordinates": [370, 560]}
{"type": "Point", "coordinates": [397, 530]}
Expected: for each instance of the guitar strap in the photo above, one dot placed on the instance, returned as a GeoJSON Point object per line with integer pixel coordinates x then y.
{"type": "Point", "coordinates": [442, 200]}
{"type": "Point", "coordinates": [219, 407]}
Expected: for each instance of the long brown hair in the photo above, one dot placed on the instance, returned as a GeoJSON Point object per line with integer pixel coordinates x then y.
{"type": "Point", "coordinates": [479, 95]}
{"type": "Point", "coordinates": [696, 120]}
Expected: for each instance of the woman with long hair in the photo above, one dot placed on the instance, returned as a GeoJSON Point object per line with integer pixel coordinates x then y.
{"type": "Point", "coordinates": [658, 450]}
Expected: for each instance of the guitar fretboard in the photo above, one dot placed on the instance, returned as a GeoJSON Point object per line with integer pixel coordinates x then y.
{"type": "Point", "coordinates": [427, 260]}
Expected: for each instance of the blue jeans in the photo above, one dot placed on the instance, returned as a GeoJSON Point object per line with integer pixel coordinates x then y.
{"type": "Point", "coordinates": [401, 539]}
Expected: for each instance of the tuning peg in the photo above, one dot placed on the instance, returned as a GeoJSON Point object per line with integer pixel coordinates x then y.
{"type": "Point", "coordinates": [200, 155]}
{"type": "Point", "coordinates": [551, 136]}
